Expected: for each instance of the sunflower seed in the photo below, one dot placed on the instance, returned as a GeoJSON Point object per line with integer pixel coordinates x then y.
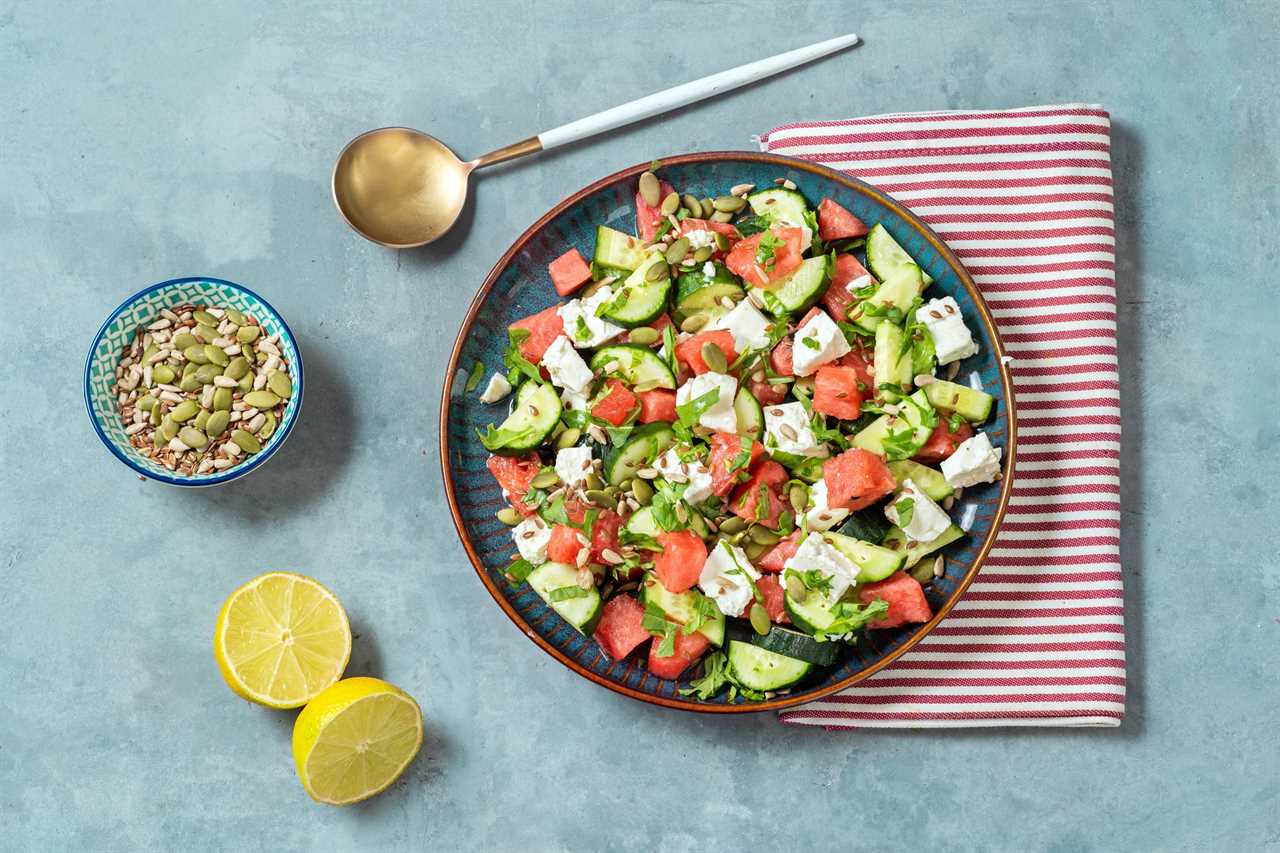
{"type": "Point", "coordinates": [647, 473]}
{"type": "Point", "coordinates": [940, 566]}
{"type": "Point", "coordinates": [923, 379]}
{"type": "Point", "coordinates": [789, 432]}
{"type": "Point", "coordinates": [611, 556]}
{"type": "Point", "coordinates": [741, 189]}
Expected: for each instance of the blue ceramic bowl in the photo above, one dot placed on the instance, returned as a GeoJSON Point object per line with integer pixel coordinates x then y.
{"type": "Point", "coordinates": [519, 285]}
{"type": "Point", "coordinates": [141, 309]}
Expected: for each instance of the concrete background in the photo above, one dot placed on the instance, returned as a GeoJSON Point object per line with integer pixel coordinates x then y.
{"type": "Point", "coordinates": [141, 141]}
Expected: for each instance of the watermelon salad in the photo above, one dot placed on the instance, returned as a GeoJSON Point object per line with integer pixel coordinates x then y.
{"type": "Point", "coordinates": [730, 451]}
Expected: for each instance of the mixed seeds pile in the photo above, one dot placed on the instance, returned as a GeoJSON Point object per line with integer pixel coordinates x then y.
{"type": "Point", "coordinates": [201, 388]}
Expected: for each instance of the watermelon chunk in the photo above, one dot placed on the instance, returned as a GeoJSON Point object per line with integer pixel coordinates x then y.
{"type": "Point", "coordinates": [616, 406]}
{"type": "Point", "coordinates": [837, 298]}
{"type": "Point", "coordinates": [569, 272]}
{"type": "Point", "coordinates": [514, 474]}
{"type": "Point", "coordinates": [690, 350]}
{"type": "Point", "coordinates": [564, 545]}
{"type": "Point", "coordinates": [648, 216]}
{"type": "Point", "coordinates": [620, 628]}
{"type": "Point", "coordinates": [680, 561]}
{"type": "Point", "coordinates": [835, 392]}
{"type": "Point", "coordinates": [689, 647]}
{"type": "Point", "coordinates": [757, 499]}
{"type": "Point", "coordinates": [774, 560]}
{"type": "Point", "coordinates": [726, 451]}
{"type": "Point", "coordinates": [787, 257]}
{"type": "Point", "coordinates": [856, 479]}
{"type": "Point", "coordinates": [836, 223]}
{"type": "Point", "coordinates": [657, 405]}
{"type": "Point", "coordinates": [543, 327]}
{"type": "Point", "coordinates": [604, 535]}
{"type": "Point", "coordinates": [905, 597]}
{"type": "Point", "coordinates": [771, 590]}
{"type": "Point", "coordinates": [943, 442]}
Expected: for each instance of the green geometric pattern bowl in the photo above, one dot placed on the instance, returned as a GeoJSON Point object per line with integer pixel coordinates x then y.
{"type": "Point", "coordinates": [144, 307]}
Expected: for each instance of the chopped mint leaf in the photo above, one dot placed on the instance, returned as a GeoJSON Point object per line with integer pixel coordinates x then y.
{"type": "Point", "coordinates": [811, 342]}
{"type": "Point", "coordinates": [564, 593]}
{"type": "Point", "coordinates": [688, 413]}
{"type": "Point", "coordinates": [519, 570]}
{"type": "Point", "coordinates": [906, 509]}
{"type": "Point", "coordinates": [474, 377]}
{"type": "Point", "coordinates": [715, 675]}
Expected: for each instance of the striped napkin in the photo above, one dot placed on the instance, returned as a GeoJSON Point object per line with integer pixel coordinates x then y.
{"type": "Point", "coordinates": [1024, 198]}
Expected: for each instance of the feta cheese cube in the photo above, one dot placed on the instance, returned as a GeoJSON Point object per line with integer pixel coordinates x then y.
{"type": "Point", "coordinates": [725, 576]}
{"type": "Point", "coordinates": [573, 401]}
{"type": "Point", "coordinates": [694, 474]}
{"type": "Point", "coordinates": [497, 388]}
{"type": "Point", "coordinates": [952, 340]}
{"type": "Point", "coordinates": [816, 553]}
{"type": "Point", "coordinates": [581, 324]}
{"type": "Point", "coordinates": [973, 462]}
{"type": "Point", "coordinates": [858, 283]}
{"type": "Point", "coordinates": [709, 269]}
{"type": "Point", "coordinates": [531, 537]}
{"type": "Point", "coordinates": [566, 367]}
{"type": "Point", "coordinates": [720, 416]}
{"type": "Point", "coordinates": [787, 428]}
{"type": "Point", "coordinates": [817, 342]}
{"type": "Point", "coordinates": [700, 238]}
{"type": "Point", "coordinates": [926, 521]}
{"type": "Point", "coordinates": [573, 464]}
{"type": "Point", "coordinates": [819, 516]}
{"type": "Point", "coordinates": [750, 328]}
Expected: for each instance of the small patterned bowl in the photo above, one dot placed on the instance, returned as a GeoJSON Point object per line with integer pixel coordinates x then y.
{"type": "Point", "coordinates": [519, 285]}
{"type": "Point", "coordinates": [144, 307]}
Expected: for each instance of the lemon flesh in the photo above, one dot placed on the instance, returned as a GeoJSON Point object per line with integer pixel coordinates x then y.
{"type": "Point", "coordinates": [355, 739]}
{"type": "Point", "coordinates": [281, 639]}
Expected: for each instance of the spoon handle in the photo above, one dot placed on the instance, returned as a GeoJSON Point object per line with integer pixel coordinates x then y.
{"type": "Point", "coordinates": [667, 99]}
{"type": "Point", "coordinates": [688, 93]}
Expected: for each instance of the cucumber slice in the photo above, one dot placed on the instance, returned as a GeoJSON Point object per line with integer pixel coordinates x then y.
{"type": "Point", "coordinates": [634, 364]}
{"type": "Point", "coordinates": [533, 417]}
{"type": "Point", "coordinates": [793, 644]}
{"type": "Point", "coordinates": [892, 360]}
{"type": "Point", "coordinates": [779, 204]}
{"type": "Point", "coordinates": [642, 523]}
{"type": "Point", "coordinates": [917, 551]}
{"type": "Point", "coordinates": [813, 614]}
{"type": "Point", "coordinates": [582, 612]}
{"type": "Point", "coordinates": [798, 291]}
{"type": "Point", "coordinates": [885, 257]}
{"type": "Point", "coordinates": [910, 417]}
{"type": "Point", "coordinates": [869, 525]}
{"type": "Point", "coordinates": [874, 562]}
{"type": "Point", "coordinates": [758, 668]}
{"type": "Point", "coordinates": [898, 292]}
{"type": "Point", "coordinates": [639, 301]}
{"type": "Point", "coordinates": [970, 403]}
{"type": "Point", "coordinates": [641, 447]}
{"type": "Point", "coordinates": [695, 291]}
{"type": "Point", "coordinates": [930, 480]}
{"type": "Point", "coordinates": [750, 415]}
{"type": "Point", "coordinates": [615, 251]}
{"type": "Point", "coordinates": [679, 606]}
{"type": "Point", "coordinates": [807, 468]}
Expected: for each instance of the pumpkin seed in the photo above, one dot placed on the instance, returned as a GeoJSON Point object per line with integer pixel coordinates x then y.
{"type": "Point", "coordinates": [245, 383]}
{"type": "Point", "coordinates": [268, 427]}
{"type": "Point", "coordinates": [508, 516]}
{"type": "Point", "coordinates": [760, 619]}
{"type": "Point", "coordinates": [184, 411]}
{"type": "Point", "coordinates": [594, 481]}
{"type": "Point", "coordinates": [600, 498]}
{"type": "Point", "coordinates": [799, 496]}
{"type": "Point", "coordinates": [168, 427]}
{"type": "Point", "coordinates": [222, 399]}
{"type": "Point", "coordinates": [670, 204]}
{"type": "Point", "coordinates": [245, 441]}
{"type": "Point", "coordinates": [644, 335]}
{"type": "Point", "coordinates": [714, 357]}
{"type": "Point", "coordinates": [733, 524]}
{"type": "Point", "coordinates": [721, 216]}
{"type": "Point", "coordinates": [205, 373]}
{"type": "Point", "coordinates": [568, 438]}
{"type": "Point", "coordinates": [236, 368]}
{"type": "Point", "coordinates": [262, 399]}
{"type": "Point", "coordinates": [657, 272]}
{"type": "Point", "coordinates": [204, 333]}
{"type": "Point", "coordinates": [541, 480]}
{"type": "Point", "coordinates": [763, 535]}
{"type": "Point", "coordinates": [196, 354]}
{"type": "Point", "coordinates": [201, 419]}
{"type": "Point", "coordinates": [217, 423]}
{"type": "Point", "coordinates": [248, 334]}
{"type": "Point", "coordinates": [146, 402]}
{"type": "Point", "coordinates": [205, 318]}
{"type": "Point", "coordinates": [216, 355]}
{"type": "Point", "coordinates": [162, 374]}
{"type": "Point", "coordinates": [677, 250]}
{"type": "Point", "coordinates": [235, 316]}
{"type": "Point", "coordinates": [650, 189]}
{"type": "Point", "coordinates": [692, 205]}
{"type": "Point", "coordinates": [796, 588]}
{"type": "Point", "coordinates": [158, 439]}
{"type": "Point", "coordinates": [702, 255]}
{"type": "Point", "coordinates": [642, 491]}
{"type": "Point", "coordinates": [707, 207]}
{"type": "Point", "coordinates": [722, 242]}
{"type": "Point", "coordinates": [754, 550]}
{"type": "Point", "coordinates": [182, 340]}
{"type": "Point", "coordinates": [280, 385]}
{"type": "Point", "coordinates": [693, 323]}
{"type": "Point", "coordinates": [729, 203]}
{"type": "Point", "coordinates": [192, 437]}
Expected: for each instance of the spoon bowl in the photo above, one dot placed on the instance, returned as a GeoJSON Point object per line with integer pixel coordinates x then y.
{"type": "Point", "coordinates": [400, 187]}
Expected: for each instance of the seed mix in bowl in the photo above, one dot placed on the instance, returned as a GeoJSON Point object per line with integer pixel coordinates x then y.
{"type": "Point", "coordinates": [201, 389]}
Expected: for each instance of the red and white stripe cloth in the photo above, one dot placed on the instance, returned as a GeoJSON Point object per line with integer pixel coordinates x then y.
{"type": "Point", "coordinates": [1024, 198]}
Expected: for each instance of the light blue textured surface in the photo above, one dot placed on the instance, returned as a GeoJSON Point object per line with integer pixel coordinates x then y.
{"type": "Point", "coordinates": [144, 141]}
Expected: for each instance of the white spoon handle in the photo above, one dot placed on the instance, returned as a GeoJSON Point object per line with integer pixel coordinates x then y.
{"type": "Point", "coordinates": [688, 93]}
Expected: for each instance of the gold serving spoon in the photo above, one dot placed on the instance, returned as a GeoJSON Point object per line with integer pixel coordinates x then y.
{"type": "Point", "coordinates": [403, 188]}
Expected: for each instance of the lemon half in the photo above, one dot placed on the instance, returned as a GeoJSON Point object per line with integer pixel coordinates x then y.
{"type": "Point", "coordinates": [355, 739]}
{"type": "Point", "coordinates": [281, 639]}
